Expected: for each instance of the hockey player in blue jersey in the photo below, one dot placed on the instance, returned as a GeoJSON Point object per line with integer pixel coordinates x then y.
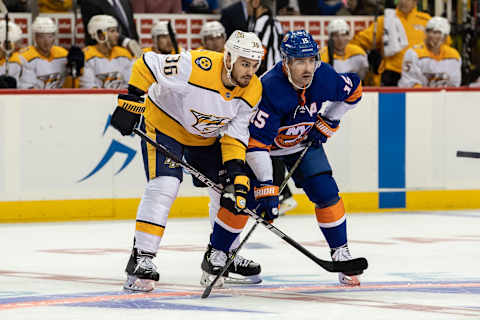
{"type": "Point", "coordinates": [287, 118]}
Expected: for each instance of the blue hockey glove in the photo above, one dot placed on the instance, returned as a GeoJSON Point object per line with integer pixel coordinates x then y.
{"type": "Point", "coordinates": [234, 195]}
{"type": "Point", "coordinates": [267, 196]}
{"type": "Point", "coordinates": [323, 129]}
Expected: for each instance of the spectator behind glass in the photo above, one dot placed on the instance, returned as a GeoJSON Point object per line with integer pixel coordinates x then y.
{"type": "Point", "coordinates": [287, 7]}
{"type": "Point", "coordinates": [200, 6]}
{"type": "Point", "coordinates": [156, 6]}
{"type": "Point", "coordinates": [122, 12]}
{"type": "Point", "coordinates": [16, 5]}
{"type": "Point", "coordinates": [319, 7]}
{"type": "Point", "coordinates": [361, 8]}
{"type": "Point", "coordinates": [54, 6]}
{"type": "Point", "coordinates": [235, 17]}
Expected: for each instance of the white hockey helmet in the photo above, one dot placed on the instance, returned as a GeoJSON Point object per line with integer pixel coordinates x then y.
{"type": "Point", "coordinates": [14, 31]}
{"type": "Point", "coordinates": [212, 29]}
{"type": "Point", "coordinates": [338, 25]}
{"type": "Point", "coordinates": [101, 23]}
{"type": "Point", "coordinates": [160, 28]}
{"type": "Point", "coordinates": [44, 25]}
{"type": "Point", "coordinates": [243, 44]}
{"type": "Point", "coordinates": [439, 24]}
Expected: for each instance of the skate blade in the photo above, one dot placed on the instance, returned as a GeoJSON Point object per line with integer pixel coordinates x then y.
{"type": "Point", "coordinates": [135, 284]}
{"type": "Point", "coordinates": [207, 279]}
{"type": "Point", "coordinates": [349, 281]}
{"type": "Point", "coordinates": [243, 280]}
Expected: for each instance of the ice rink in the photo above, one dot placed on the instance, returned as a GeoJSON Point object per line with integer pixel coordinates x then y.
{"type": "Point", "coordinates": [423, 265]}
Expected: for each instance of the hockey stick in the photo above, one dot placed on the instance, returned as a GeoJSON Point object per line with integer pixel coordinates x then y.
{"type": "Point", "coordinates": [209, 288]}
{"type": "Point", "coordinates": [172, 36]}
{"type": "Point", "coordinates": [350, 266]}
{"type": "Point", "coordinates": [468, 154]}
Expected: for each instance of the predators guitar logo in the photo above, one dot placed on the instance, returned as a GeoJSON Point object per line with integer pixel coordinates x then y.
{"type": "Point", "coordinates": [112, 80]}
{"type": "Point", "coordinates": [52, 81]}
{"type": "Point", "coordinates": [208, 123]}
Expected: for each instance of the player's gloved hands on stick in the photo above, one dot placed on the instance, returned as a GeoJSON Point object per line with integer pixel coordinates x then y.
{"type": "Point", "coordinates": [234, 195]}
{"type": "Point", "coordinates": [127, 114]}
{"type": "Point", "coordinates": [267, 196]}
{"type": "Point", "coordinates": [323, 129]}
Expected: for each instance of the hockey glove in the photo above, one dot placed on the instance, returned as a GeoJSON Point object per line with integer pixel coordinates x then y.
{"type": "Point", "coordinates": [323, 129]}
{"type": "Point", "coordinates": [267, 196]}
{"type": "Point", "coordinates": [127, 114]}
{"type": "Point", "coordinates": [234, 195]}
{"type": "Point", "coordinates": [75, 60]}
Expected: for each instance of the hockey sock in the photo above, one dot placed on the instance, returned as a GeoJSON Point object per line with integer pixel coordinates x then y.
{"type": "Point", "coordinates": [226, 229]}
{"type": "Point", "coordinates": [332, 221]}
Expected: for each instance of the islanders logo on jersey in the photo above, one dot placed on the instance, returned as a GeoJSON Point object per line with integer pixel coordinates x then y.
{"type": "Point", "coordinates": [290, 136]}
{"type": "Point", "coordinates": [204, 63]}
{"type": "Point", "coordinates": [208, 123]}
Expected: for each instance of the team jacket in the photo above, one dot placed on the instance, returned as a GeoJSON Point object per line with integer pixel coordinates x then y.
{"type": "Point", "coordinates": [40, 72]}
{"type": "Point", "coordinates": [110, 72]}
{"type": "Point", "coordinates": [14, 66]}
{"type": "Point", "coordinates": [422, 68]}
{"type": "Point", "coordinates": [354, 60]}
{"type": "Point", "coordinates": [414, 24]}
{"type": "Point", "coordinates": [188, 101]}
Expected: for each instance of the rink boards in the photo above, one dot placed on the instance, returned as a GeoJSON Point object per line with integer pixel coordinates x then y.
{"type": "Point", "coordinates": [60, 159]}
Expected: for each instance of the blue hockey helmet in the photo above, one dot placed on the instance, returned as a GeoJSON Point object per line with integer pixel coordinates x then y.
{"type": "Point", "coordinates": [298, 44]}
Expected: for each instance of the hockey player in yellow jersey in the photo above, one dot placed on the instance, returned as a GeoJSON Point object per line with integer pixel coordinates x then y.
{"type": "Point", "coordinates": [107, 65]}
{"type": "Point", "coordinates": [44, 64]}
{"type": "Point", "coordinates": [213, 36]}
{"type": "Point", "coordinates": [10, 64]}
{"type": "Point", "coordinates": [162, 42]}
{"type": "Point", "coordinates": [395, 32]}
{"type": "Point", "coordinates": [346, 57]}
{"type": "Point", "coordinates": [432, 63]}
{"type": "Point", "coordinates": [198, 106]}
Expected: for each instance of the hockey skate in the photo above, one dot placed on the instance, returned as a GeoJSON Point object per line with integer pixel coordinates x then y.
{"type": "Point", "coordinates": [243, 271]}
{"type": "Point", "coordinates": [141, 272]}
{"type": "Point", "coordinates": [343, 254]}
{"type": "Point", "coordinates": [213, 262]}
{"type": "Point", "coordinates": [286, 205]}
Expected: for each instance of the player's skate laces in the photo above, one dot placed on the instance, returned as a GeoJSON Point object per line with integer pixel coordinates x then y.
{"type": "Point", "coordinates": [249, 271]}
{"type": "Point", "coordinates": [343, 254]}
{"type": "Point", "coordinates": [141, 271]}
{"type": "Point", "coordinates": [213, 262]}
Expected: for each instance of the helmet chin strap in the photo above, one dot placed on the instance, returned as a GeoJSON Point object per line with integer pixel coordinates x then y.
{"type": "Point", "coordinates": [229, 71]}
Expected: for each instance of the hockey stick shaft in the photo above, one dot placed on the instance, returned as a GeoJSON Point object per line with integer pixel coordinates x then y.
{"type": "Point", "coordinates": [468, 154]}
{"type": "Point", "coordinates": [209, 288]}
{"type": "Point", "coordinates": [338, 266]}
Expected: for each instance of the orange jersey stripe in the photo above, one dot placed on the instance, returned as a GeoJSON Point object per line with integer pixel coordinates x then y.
{"type": "Point", "coordinates": [235, 221]}
{"type": "Point", "coordinates": [330, 214]}
{"type": "Point", "coordinates": [252, 143]}
{"type": "Point", "coordinates": [149, 228]}
{"type": "Point", "coordinates": [357, 94]}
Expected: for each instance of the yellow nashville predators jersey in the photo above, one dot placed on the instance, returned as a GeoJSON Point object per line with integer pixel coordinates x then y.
{"type": "Point", "coordinates": [150, 49]}
{"type": "Point", "coordinates": [422, 68]}
{"type": "Point", "coordinates": [414, 25]}
{"type": "Point", "coordinates": [110, 72]}
{"type": "Point", "coordinates": [14, 66]}
{"type": "Point", "coordinates": [354, 60]}
{"type": "Point", "coordinates": [40, 72]}
{"type": "Point", "coordinates": [188, 101]}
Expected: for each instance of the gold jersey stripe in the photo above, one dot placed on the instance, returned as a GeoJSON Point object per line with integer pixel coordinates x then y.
{"type": "Point", "coordinates": [232, 149]}
{"type": "Point", "coordinates": [152, 229]}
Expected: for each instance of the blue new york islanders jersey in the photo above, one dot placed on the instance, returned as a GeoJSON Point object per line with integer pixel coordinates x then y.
{"type": "Point", "coordinates": [285, 115]}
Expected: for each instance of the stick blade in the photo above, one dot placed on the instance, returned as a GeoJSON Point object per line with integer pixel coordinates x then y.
{"type": "Point", "coordinates": [207, 292]}
{"type": "Point", "coordinates": [468, 154]}
{"type": "Point", "coordinates": [351, 266]}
